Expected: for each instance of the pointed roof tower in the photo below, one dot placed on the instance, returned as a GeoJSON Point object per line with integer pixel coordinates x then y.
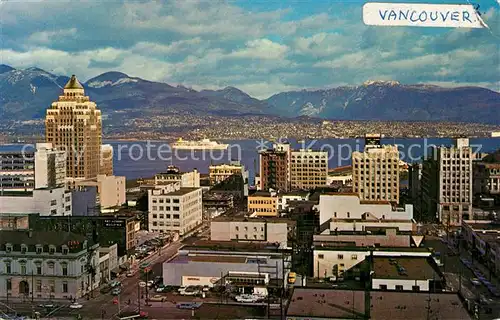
{"type": "Point", "coordinates": [73, 83]}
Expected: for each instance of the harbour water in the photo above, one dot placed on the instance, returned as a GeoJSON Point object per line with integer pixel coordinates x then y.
{"type": "Point", "coordinates": [136, 159]}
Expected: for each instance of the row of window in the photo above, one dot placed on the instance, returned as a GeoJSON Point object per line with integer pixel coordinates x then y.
{"type": "Point", "coordinates": [38, 248]}
{"type": "Point", "coordinates": [165, 216]}
{"type": "Point", "coordinates": [38, 270]}
{"type": "Point", "coordinates": [339, 256]}
{"type": "Point", "coordinates": [38, 286]}
{"type": "Point", "coordinates": [167, 200]}
{"type": "Point", "coordinates": [162, 208]}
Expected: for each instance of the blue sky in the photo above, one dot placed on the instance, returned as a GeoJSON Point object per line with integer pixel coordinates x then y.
{"type": "Point", "coordinates": [262, 47]}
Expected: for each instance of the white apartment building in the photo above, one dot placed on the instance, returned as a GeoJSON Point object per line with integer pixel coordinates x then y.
{"type": "Point", "coordinates": [375, 173]}
{"type": "Point", "coordinates": [271, 230]}
{"type": "Point", "coordinates": [173, 174]}
{"type": "Point", "coordinates": [47, 265]}
{"type": "Point", "coordinates": [349, 206]}
{"type": "Point", "coordinates": [447, 182]}
{"type": "Point", "coordinates": [178, 211]}
{"type": "Point", "coordinates": [50, 166]}
{"type": "Point", "coordinates": [308, 169]}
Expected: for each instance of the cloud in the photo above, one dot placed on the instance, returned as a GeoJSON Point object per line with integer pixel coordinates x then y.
{"type": "Point", "coordinates": [262, 50]}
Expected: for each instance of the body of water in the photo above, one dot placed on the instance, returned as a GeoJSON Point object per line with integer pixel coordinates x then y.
{"type": "Point", "coordinates": [141, 159]}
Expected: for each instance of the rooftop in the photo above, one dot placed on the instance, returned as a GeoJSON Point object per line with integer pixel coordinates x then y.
{"type": "Point", "coordinates": [350, 304]}
{"type": "Point", "coordinates": [181, 191]}
{"type": "Point", "coordinates": [73, 83]}
{"type": "Point", "coordinates": [414, 268]}
{"type": "Point", "coordinates": [212, 259]}
{"type": "Point", "coordinates": [16, 237]}
{"type": "Point", "coordinates": [239, 218]}
{"type": "Point", "coordinates": [260, 194]}
{"type": "Point", "coordinates": [203, 245]}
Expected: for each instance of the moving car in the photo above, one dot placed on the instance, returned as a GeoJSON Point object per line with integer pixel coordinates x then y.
{"type": "Point", "coordinates": [189, 305]}
{"type": "Point", "coordinates": [190, 291]}
{"type": "Point", "coordinates": [158, 298]}
{"type": "Point", "coordinates": [116, 291]}
{"type": "Point", "coordinates": [75, 305]}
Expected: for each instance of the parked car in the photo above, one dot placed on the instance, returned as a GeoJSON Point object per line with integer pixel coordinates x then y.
{"type": "Point", "coordinates": [116, 291]}
{"type": "Point", "coordinates": [189, 305]}
{"type": "Point", "coordinates": [190, 291]}
{"type": "Point", "coordinates": [75, 306]}
{"type": "Point", "coordinates": [115, 284]}
{"type": "Point", "coordinates": [129, 274]}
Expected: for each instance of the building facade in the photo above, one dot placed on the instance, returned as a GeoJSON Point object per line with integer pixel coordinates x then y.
{"type": "Point", "coordinates": [73, 123]}
{"type": "Point", "coordinates": [271, 230]}
{"type": "Point", "coordinates": [375, 173]}
{"type": "Point", "coordinates": [173, 174]}
{"type": "Point", "coordinates": [17, 172]}
{"type": "Point", "coordinates": [106, 160]}
{"type": "Point", "coordinates": [50, 166]}
{"type": "Point", "coordinates": [447, 183]}
{"type": "Point", "coordinates": [486, 178]}
{"type": "Point", "coordinates": [178, 211]}
{"type": "Point", "coordinates": [263, 204]}
{"type": "Point", "coordinates": [274, 170]}
{"type": "Point", "coordinates": [110, 190]}
{"type": "Point", "coordinates": [47, 202]}
{"type": "Point", "coordinates": [47, 265]}
{"type": "Point", "coordinates": [308, 169]}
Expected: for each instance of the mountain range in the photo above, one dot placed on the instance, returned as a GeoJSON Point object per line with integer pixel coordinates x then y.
{"type": "Point", "coordinates": [26, 94]}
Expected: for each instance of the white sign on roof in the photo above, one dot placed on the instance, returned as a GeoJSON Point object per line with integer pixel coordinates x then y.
{"type": "Point", "coordinates": [422, 15]}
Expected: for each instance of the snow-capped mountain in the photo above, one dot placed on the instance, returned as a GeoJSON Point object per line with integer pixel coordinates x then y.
{"type": "Point", "coordinates": [26, 94]}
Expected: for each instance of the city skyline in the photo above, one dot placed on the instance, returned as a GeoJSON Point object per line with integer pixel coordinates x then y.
{"type": "Point", "coordinates": [260, 48]}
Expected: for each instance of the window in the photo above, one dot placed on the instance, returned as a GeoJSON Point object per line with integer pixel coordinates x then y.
{"type": "Point", "coordinates": [8, 284]}
{"type": "Point", "coordinates": [64, 267]}
{"type": "Point", "coordinates": [52, 285]}
{"type": "Point", "coordinates": [38, 286]}
{"type": "Point", "coordinates": [38, 268]}
{"type": "Point", "coordinates": [52, 250]}
{"type": "Point", "coordinates": [321, 256]}
{"type": "Point", "coordinates": [23, 267]}
{"type": "Point", "coordinates": [340, 256]}
{"type": "Point", "coordinates": [354, 257]}
{"type": "Point", "coordinates": [8, 248]}
{"type": "Point", "coordinates": [175, 209]}
{"type": "Point", "coordinates": [176, 216]}
{"type": "Point", "coordinates": [65, 287]}
{"type": "Point", "coordinates": [7, 267]}
{"type": "Point", "coordinates": [65, 250]}
{"type": "Point", "coordinates": [415, 288]}
{"type": "Point", "coordinates": [176, 200]}
{"type": "Point", "coordinates": [51, 267]}
{"type": "Point", "coordinates": [399, 288]}
{"type": "Point", "coordinates": [39, 249]}
{"type": "Point", "coordinates": [53, 211]}
{"type": "Point", "coordinates": [24, 248]}
{"type": "Point", "coordinates": [383, 287]}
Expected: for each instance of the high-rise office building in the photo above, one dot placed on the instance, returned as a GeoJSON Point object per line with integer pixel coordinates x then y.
{"type": "Point", "coordinates": [447, 183]}
{"type": "Point", "coordinates": [375, 172]}
{"type": "Point", "coordinates": [17, 172]}
{"type": "Point", "coordinates": [50, 166]}
{"type": "Point", "coordinates": [274, 168]}
{"type": "Point", "coordinates": [73, 123]}
{"type": "Point", "coordinates": [308, 169]}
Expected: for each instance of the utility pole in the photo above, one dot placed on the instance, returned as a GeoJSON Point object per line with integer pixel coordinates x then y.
{"type": "Point", "coordinates": [32, 286]}
{"type": "Point", "coordinates": [139, 296]}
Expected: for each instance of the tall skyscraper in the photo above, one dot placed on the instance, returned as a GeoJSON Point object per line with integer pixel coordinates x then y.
{"type": "Point", "coordinates": [447, 183]}
{"type": "Point", "coordinates": [375, 172]}
{"type": "Point", "coordinates": [275, 168]}
{"type": "Point", "coordinates": [73, 123]}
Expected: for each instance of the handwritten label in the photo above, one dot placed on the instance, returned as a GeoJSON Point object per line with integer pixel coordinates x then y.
{"type": "Point", "coordinates": [421, 15]}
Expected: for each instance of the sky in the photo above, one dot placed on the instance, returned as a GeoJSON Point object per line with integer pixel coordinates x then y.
{"type": "Point", "coordinates": [261, 47]}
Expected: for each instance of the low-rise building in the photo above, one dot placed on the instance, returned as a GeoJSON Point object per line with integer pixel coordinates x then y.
{"type": "Point", "coordinates": [316, 303]}
{"type": "Point", "coordinates": [482, 237]}
{"type": "Point", "coordinates": [108, 262]}
{"type": "Point", "coordinates": [349, 206]}
{"type": "Point", "coordinates": [221, 172]}
{"type": "Point", "coordinates": [47, 265]}
{"type": "Point", "coordinates": [217, 201]}
{"type": "Point", "coordinates": [486, 178]}
{"type": "Point", "coordinates": [405, 274]}
{"type": "Point", "coordinates": [341, 255]}
{"type": "Point", "coordinates": [178, 211]}
{"type": "Point", "coordinates": [367, 223]}
{"type": "Point", "coordinates": [242, 264]}
{"type": "Point", "coordinates": [47, 202]}
{"type": "Point", "coordinates": [263, 204]}
{"type": "Point", "coordinates": [173, 174]}
{"type": "Point", "coordinates": [240, 228]}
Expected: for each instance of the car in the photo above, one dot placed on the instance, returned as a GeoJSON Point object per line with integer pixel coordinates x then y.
{"type": "Point", "coordinates": [116, 291]}
{"type": "Point", "coordinates": [163, 288]}
{"type": "Point", "coordinates": [475, 281]}
{"type": "Point", "coordinates": [181, 289]}
{"type": "Point", "coordinates": [158, 298]}
{"type": "Point", "coordinates": [129, 274]}
{"type": "Point", "coordinates": [47, 306]}
{"type": "Point", "coordinates": [190, 291]}
{"type": "Point", "coordinates": [150, 283]}
{"type": "Point", "coordinates": [189, 305]}
{"type": "Point", "coordinates": [115, 284]}
{"type": "Point", "coordinates": [75, 305]}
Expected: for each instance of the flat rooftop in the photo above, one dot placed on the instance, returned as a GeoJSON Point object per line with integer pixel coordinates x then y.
{"type": "Point", "coordinates": [204, 245]}
{"type": "Point", "coordinates": [350, 304]}
{"type": "Point", "coordinates": [181, 191]}
{"type": "Point", "coordinates": [415, 268]}
{"type": "Point", "coordinates": [211, 259]}
{"type": "Point", "coordinates": [260, 194]}
{"type": "Point", "coordinates": [240, 218]}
